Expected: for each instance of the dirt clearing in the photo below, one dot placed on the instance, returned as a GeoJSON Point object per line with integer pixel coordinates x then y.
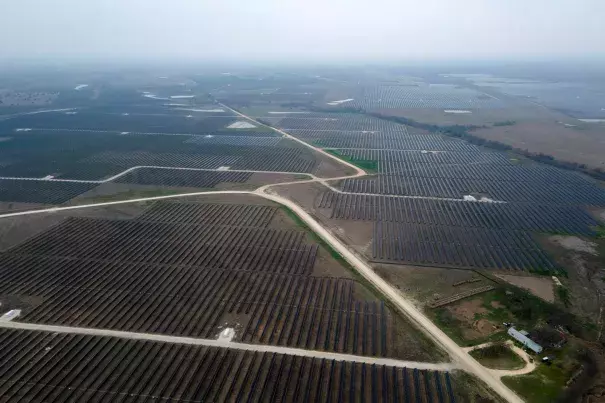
{"type": "Point", "coordinates": [575, 244]}
{"type": "Point", "coordinates": [584, 143]}
{"type": "Point", "coordinates": [542, 287]}
{"type": "Point", "coordinates": [469, 312]}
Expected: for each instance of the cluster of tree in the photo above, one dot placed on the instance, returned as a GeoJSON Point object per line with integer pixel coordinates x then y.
{"type": "Point", "coordinates": [340, 109]}
{"type": "Point", "coordinates": [505, 123]}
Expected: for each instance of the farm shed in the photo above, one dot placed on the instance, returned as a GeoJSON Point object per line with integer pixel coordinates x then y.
{"type": "Point", "coordinates": [526, 341]}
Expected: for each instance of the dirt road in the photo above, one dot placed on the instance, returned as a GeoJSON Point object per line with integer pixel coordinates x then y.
{"type": "Point", "coordinates": [443, 366]}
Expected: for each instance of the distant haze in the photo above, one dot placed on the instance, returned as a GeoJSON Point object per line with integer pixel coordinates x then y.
{"type": "Point", "coordinates": [301, 30]}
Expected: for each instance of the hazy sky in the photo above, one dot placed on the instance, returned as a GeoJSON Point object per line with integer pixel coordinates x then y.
{"type": "Point", "coordinates": [302, 29]}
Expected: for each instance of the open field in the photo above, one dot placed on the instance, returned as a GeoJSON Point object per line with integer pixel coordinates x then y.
{"type": "Point", "coordinates": [498, 356]}
{"type": "Point", "coordinates": [582, 142]}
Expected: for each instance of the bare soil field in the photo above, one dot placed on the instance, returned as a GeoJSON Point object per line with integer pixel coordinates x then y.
{"type": "Point", "coordinates": [328, 168]}
{"type": "Point", "coordinates": [468, 313]}
{"type": "Point", "coordinates": [585, 279]}
{"type": "Point", "coordinates": [574, 243]}
{"type": "Point", "coordinates": [584, 143]}
{"type": "Point", "coordinates": [427, 284]}
{"type": "Point", "coordinates": [539, 286]}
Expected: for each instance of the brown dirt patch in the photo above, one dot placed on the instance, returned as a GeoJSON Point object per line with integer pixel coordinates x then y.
{"type": "Point", "coordinates": [427, 284]}
{"type": "Point", "coordinates": [539, 286]}
{"type": "Point", "coordinates": [330, 168]}
{"type": "Point", "coordinates": [485, 327]}
{"type": "Point", "coordinates": [13, 207]}
{"type": "Point", "coordinates": [585, 276]}
{"type": "Point", "coordinates": [466, 311]}
{"type": "Point", "coordinates": [575, 243]}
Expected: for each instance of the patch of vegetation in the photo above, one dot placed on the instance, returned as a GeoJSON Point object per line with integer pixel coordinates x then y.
{"type": "Point", "coordinates": [498, 356]}
{"type": "Point", "coordinates": [541, 386]}
{"type": "Point", "coordinates": [454, 328]}
{"type": "Point", "coordinates": [469, 389]}
{"type": "Point", "coordinates": [371, 166]}
{"type": "Point", "coordinates": [505, 123]}
{"type": "Point", "coordinates": [599, 231]}
{"type": "Point", "coordinates": [527, 310]}
{"type": "Point", "coordinates": [546, 383]}
{"type": "Point", "coordinates": [563, 295]}
{"type": "Point", "coordinates": [450, 325]}
{"type": "Point", "coordinates": [511, 304]}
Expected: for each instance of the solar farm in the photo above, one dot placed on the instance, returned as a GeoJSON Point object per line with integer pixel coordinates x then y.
{"type": "Point", "coordinates": [81, 368]}
{"type": "Point", "coordinates": [442, 202]}
{"type": "Point", "coordinates": [164, 265]}
{"type": "Point", "coordinates": [52, 157]}
{"type": "Point", "coordinates": [211, 262]}
{"type": "Point", "coordinates": [426, 96]}
{"type": "Point", "coordinates": [193, 269]}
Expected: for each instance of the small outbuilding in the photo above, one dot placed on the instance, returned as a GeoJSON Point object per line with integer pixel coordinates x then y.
{"type": "Point", "coordinates": [523, 339]}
